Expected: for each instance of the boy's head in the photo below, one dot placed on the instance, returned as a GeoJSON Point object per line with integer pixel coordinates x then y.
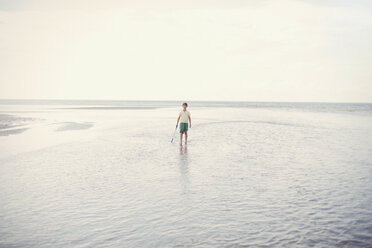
{"type": "Point", "coordinates": [184, 105]}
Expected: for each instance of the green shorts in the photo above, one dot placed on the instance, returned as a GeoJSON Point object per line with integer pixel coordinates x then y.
{"type": "Point", "coordinates": [184, 127]}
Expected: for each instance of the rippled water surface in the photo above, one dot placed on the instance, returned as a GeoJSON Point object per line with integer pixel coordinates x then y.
{"type": "Point", "coordinates": [86, 174]}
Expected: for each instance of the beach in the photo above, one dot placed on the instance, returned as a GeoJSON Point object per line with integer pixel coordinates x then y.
{"type": "Point", "coordinates": [105, 174]}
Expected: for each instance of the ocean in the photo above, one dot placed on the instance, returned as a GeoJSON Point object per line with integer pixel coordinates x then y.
{"type": "Point", "coordinates": [79, 173]}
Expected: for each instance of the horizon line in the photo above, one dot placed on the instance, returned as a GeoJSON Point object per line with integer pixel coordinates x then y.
{"type": "Point", "coordinates": [237, 101]}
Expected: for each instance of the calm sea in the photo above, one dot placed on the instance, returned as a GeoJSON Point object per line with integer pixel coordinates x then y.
{"type": "Point", "coordinates": [105, 174]}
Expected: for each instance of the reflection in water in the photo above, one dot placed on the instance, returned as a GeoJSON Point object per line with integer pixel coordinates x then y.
{"type": "Point", "coordinates": [183, 149]}
{"type": "Point", "coordinates": [184, 169]}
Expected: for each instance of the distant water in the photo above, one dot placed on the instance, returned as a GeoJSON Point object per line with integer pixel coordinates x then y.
{"type": "Point", "coordinates": [104, 174]}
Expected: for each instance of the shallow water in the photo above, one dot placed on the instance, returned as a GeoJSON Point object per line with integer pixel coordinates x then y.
{"type": "Point", "coordinates": [254, 175]}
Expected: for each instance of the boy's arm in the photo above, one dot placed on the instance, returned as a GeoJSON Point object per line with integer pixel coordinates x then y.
{"type": "Point", "coordinates": [178, 119]}
{"type": "Point", "coordinates": [190, 121]}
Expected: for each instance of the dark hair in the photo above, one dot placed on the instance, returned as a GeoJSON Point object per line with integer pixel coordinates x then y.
{"type": "Point", "coordinates": [185, 103]}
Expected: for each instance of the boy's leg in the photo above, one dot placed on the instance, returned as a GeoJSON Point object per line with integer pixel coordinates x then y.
{"type": "Point", "coordinates": [185, 137]}
{"type": "Point", "coordinates": [181, 138]}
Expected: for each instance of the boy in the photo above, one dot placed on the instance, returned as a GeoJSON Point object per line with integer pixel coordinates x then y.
{"type": "Point", "coordinates": [184, 116]}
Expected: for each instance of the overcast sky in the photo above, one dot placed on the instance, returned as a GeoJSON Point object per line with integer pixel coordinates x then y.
{"type": "Point", "coordinates": [258, 50]}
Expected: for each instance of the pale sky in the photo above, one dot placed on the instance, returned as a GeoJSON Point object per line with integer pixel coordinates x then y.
{"type": "Point", "coordinates": [257, 50]}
